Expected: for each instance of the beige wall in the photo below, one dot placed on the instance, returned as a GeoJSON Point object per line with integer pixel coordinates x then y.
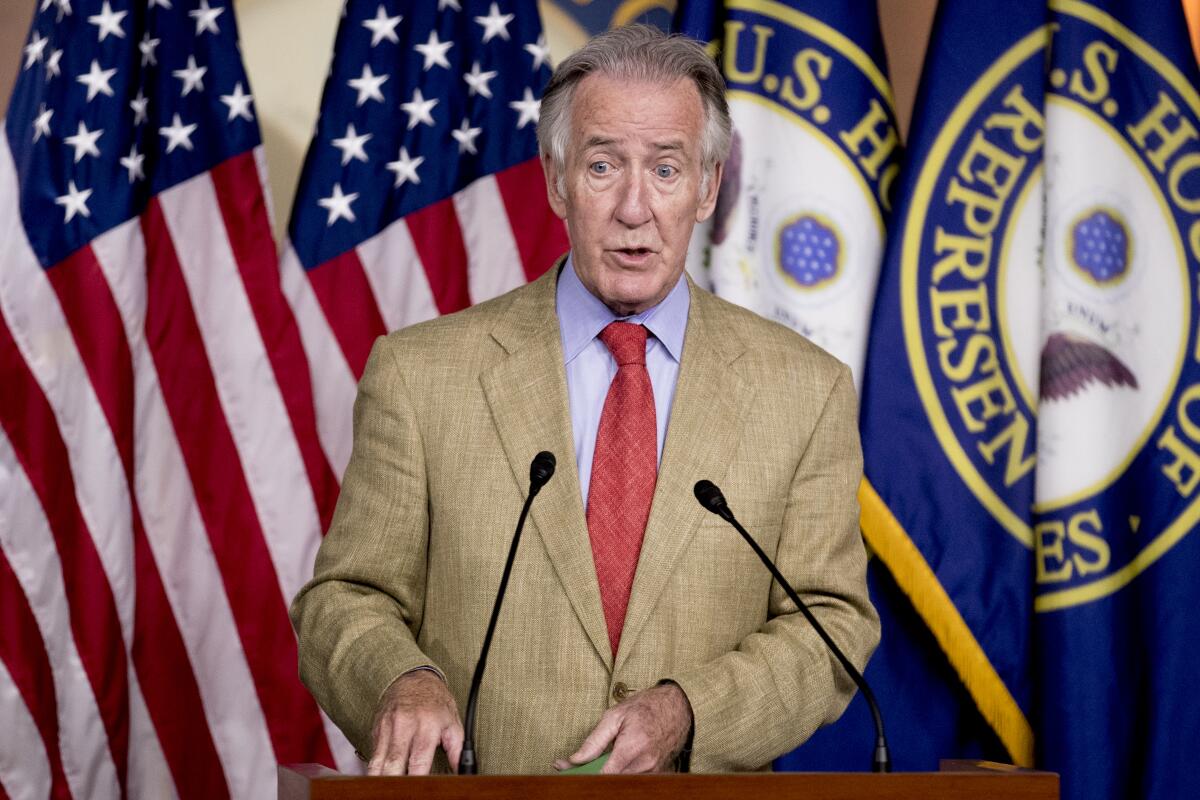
{"type": "Point", "coordinates": [287, 46]}
{"type": "Point", "coordinates": [15, 16]}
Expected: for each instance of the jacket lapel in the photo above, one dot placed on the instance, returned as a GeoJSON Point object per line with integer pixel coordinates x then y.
{"type": "Point", "coordinates": [527, 393]}
{"type": "Point", "coordinates": [711, 400]}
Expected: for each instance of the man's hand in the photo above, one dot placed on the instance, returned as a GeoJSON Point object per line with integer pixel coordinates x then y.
{"type": "Point", "coordinates": [646, 731]}
{"type": "Point", "coordinates": [416, 714]}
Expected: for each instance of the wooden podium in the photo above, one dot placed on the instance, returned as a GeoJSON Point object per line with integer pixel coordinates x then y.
{"type": "Point", "coordinates": [957, 780]}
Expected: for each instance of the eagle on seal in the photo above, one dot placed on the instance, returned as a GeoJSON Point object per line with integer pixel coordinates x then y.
{"type": "Point", "coordinates": [1071, 362]}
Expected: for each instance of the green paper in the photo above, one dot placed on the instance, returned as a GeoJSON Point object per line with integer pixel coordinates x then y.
{"type": "Point", "coordinates": [590, 768]}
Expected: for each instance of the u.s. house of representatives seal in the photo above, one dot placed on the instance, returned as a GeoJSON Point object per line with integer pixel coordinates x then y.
{"type": "Point", "coordinates": [1049, 280]}
{"type": "Point", "coordinates": [799, 227]}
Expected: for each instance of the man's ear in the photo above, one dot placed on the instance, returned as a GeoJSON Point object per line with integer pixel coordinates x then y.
{"type": "Point", "coordinates": [708, 203]}
{"type": "Point", "coordinates": [557, 202]}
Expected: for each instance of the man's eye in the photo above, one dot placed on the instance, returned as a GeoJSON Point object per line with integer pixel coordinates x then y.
{"type": "Point", "coordinates": [664, 171]}
{"type": "Point", "coordinates": [601, 167]}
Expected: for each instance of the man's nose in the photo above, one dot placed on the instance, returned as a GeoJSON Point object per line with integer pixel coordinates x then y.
{"type": "Point", "coordinates": [633, 209]}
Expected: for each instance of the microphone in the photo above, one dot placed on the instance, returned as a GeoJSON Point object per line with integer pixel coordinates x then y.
{"type": "Point", "coordinates": [541, 470]}
{"type": "Point", "coordinates": [712, 499]}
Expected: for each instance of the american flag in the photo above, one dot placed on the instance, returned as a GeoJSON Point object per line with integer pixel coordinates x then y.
{"type": "Point", "coordinates": [421, 193]}
{"type": "Point", "coordinates": [162, 485]}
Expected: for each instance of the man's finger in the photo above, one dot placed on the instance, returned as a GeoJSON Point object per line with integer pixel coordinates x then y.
{"type": "Point", "coordinates": [420, 755]}
{"type": "Point", "coordinates": [395, 758]}
{"type": "Point", "coordinates": [452, 742]}
{"type": "Point", "coordinates": [383, 739]}
{"type": "Point", "coordinates": [626, 748]}
{"type": "Point", "coordinates": [598, 740]}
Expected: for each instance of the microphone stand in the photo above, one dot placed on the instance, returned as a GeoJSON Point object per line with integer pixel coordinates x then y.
{"type": "Point", "coordinates": [540, 471]}
{"type": "Point", "coordinates": [712, 499]}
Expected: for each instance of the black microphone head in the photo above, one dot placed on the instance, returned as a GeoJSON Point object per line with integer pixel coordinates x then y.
{"type": "Point", "coordinates": [541, 469]}
{"type": "Point", "coordinates": [710, 496]}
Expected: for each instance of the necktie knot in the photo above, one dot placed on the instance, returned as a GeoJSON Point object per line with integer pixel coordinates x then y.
{"type": "Point", "coordinates": [626, 341]}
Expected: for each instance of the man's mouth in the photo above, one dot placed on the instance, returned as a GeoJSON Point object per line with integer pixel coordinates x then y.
{"type": "Point", "coordinates": [634, 253]}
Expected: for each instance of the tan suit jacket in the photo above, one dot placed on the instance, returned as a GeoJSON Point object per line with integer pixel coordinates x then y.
{"type": "Point", "coordinates": [449, 415]}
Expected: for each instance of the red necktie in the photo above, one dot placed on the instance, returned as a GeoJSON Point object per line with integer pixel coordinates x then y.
{"type": "Point", "coordinates": [624, 471]}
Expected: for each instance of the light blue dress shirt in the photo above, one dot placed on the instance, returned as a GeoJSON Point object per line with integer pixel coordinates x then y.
{"type": "Point", "coordinates": [590, 367]}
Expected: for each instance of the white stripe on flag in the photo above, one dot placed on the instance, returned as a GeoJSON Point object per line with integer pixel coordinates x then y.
{"type": "Point", "coordinates": [493, 260]}
{"type": "Point", "coordinates": [24, 765]}
{"type": "Point", "coordinates": [179, 542]}
{"type": "Point", "coordinates": [397, 278]}
{"type": "Point", "coordinates": [334, 386]}
{"type": "Point", "coordinates": [29, 547]}
{"type": "Point", "coordinates": [250, 398]}
{"type": "Point", "coordinates": [149, 775]}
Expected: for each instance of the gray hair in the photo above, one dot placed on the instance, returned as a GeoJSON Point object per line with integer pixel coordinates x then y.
{"type": "Point", "coordinates": [638, 53]}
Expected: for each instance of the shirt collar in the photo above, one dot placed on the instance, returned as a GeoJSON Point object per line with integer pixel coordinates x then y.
{"type": "Point", "coordinates": [581, 315]}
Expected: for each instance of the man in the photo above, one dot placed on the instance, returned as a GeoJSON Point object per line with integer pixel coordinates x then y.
{"type": "Point", "coordinates": [634, 621]}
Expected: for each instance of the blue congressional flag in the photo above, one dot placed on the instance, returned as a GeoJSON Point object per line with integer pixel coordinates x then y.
{"type": "Point", "coordinates": [799, 227]}
{"type": "Point", "coordinates": [1028, 423]}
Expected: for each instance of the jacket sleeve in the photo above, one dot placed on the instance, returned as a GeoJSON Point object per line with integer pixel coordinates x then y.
{"type": "Point", "coordinates": [781, 683]}
{"type": "Point", "coordinates": [356, 619]}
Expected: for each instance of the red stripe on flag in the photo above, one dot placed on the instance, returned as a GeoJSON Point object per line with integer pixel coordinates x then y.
{"type": "Point", "coordinates": [224, 501]}
{"type": "Point", "coordinates": [345, 295]}
{"type": "Point", "coordinates": [159, 654]}
{"type": "Point", "coordinates": [439, 244]}
{"type": "Point", "coordinates": [240, 197]}
{"type": "Point", "coordinates": [540, 234]}
{"type": "Point", "coordinates": [27, 418]}
{"type": "Point", "coordinates": [24, 654]}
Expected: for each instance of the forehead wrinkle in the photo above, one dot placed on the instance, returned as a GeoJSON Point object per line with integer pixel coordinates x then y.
{"type": "Point", "coordinates": [673, 145]}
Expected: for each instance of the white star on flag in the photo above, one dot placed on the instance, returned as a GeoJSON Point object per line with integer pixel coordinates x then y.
{"type": "Point", "coordinates": [419, 109]}
{"type": "Point", "coordinates": [465, 136]}
{"type": "Point", "coordinates": [64, 9]}
{"type": "Point", "coordinates": [452, 4]}
{"type": "Point", "coordinates": [146, 46]}
{"type": "Point", "coordinates": [351, 145]}
{"type": "Point", "coordinates": [74, 201]}
{"type": "Point", "coordinates": [41, 125]}
{"type": "Point", "coordinates": [540, 52]}
{"type": "Point", "coordinates": [383, 27]}
{"type": "Point", "coordinates": [35, 49]}
{"type": "Point", "coordinates": [529, 107]}
{"type": "Point", "coordinates": [206, 17]}
{"type": "Point", "coordinates": [164, 3]}
{"type": "Point", "coordinates": [405, 168]}
{"type": "Point", "coordinates": [338, 205]}
{"type": "Point", "coordinates": [52, 68]}
{"type": "Point", "coordinates": [138, 104]}
{"type": "Point", "coordinates": [178, 134]}
{"type": "Point", "coordinates": [478, 81]}
{"type": "Point", "coordinates": [96, 80]}
{"type": "Point", "coordinates": [107, 21]}
{"type": "Point", "coordinates": [495, 24]}
{"type": "Point", "coordinates": [434, 51]}
{"type": "Point", "coordinates": [133, 163]}
{"type": "Point", "coordinates": [192, 76]}
{"type": "Point", "coordinates": [368, 85]}
{"type": "Point", "coordinates": [239, 104]}
{"type": "Point", "coordinates": [84, 142]}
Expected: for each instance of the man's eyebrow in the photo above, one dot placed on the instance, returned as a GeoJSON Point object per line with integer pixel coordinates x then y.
{"type": "Point", "coordinates": [598, 141]}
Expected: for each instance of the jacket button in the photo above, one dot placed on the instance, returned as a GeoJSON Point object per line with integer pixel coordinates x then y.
{"type": "Point", "coordinates": [621, 691]}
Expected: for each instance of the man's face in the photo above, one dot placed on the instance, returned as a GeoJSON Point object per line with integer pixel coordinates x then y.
{"type": "Point", "coordinates": [631, 182]}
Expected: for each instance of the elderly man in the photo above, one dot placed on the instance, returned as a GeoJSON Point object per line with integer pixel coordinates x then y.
{"type": "Point", "coordinates": [635, 622]}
